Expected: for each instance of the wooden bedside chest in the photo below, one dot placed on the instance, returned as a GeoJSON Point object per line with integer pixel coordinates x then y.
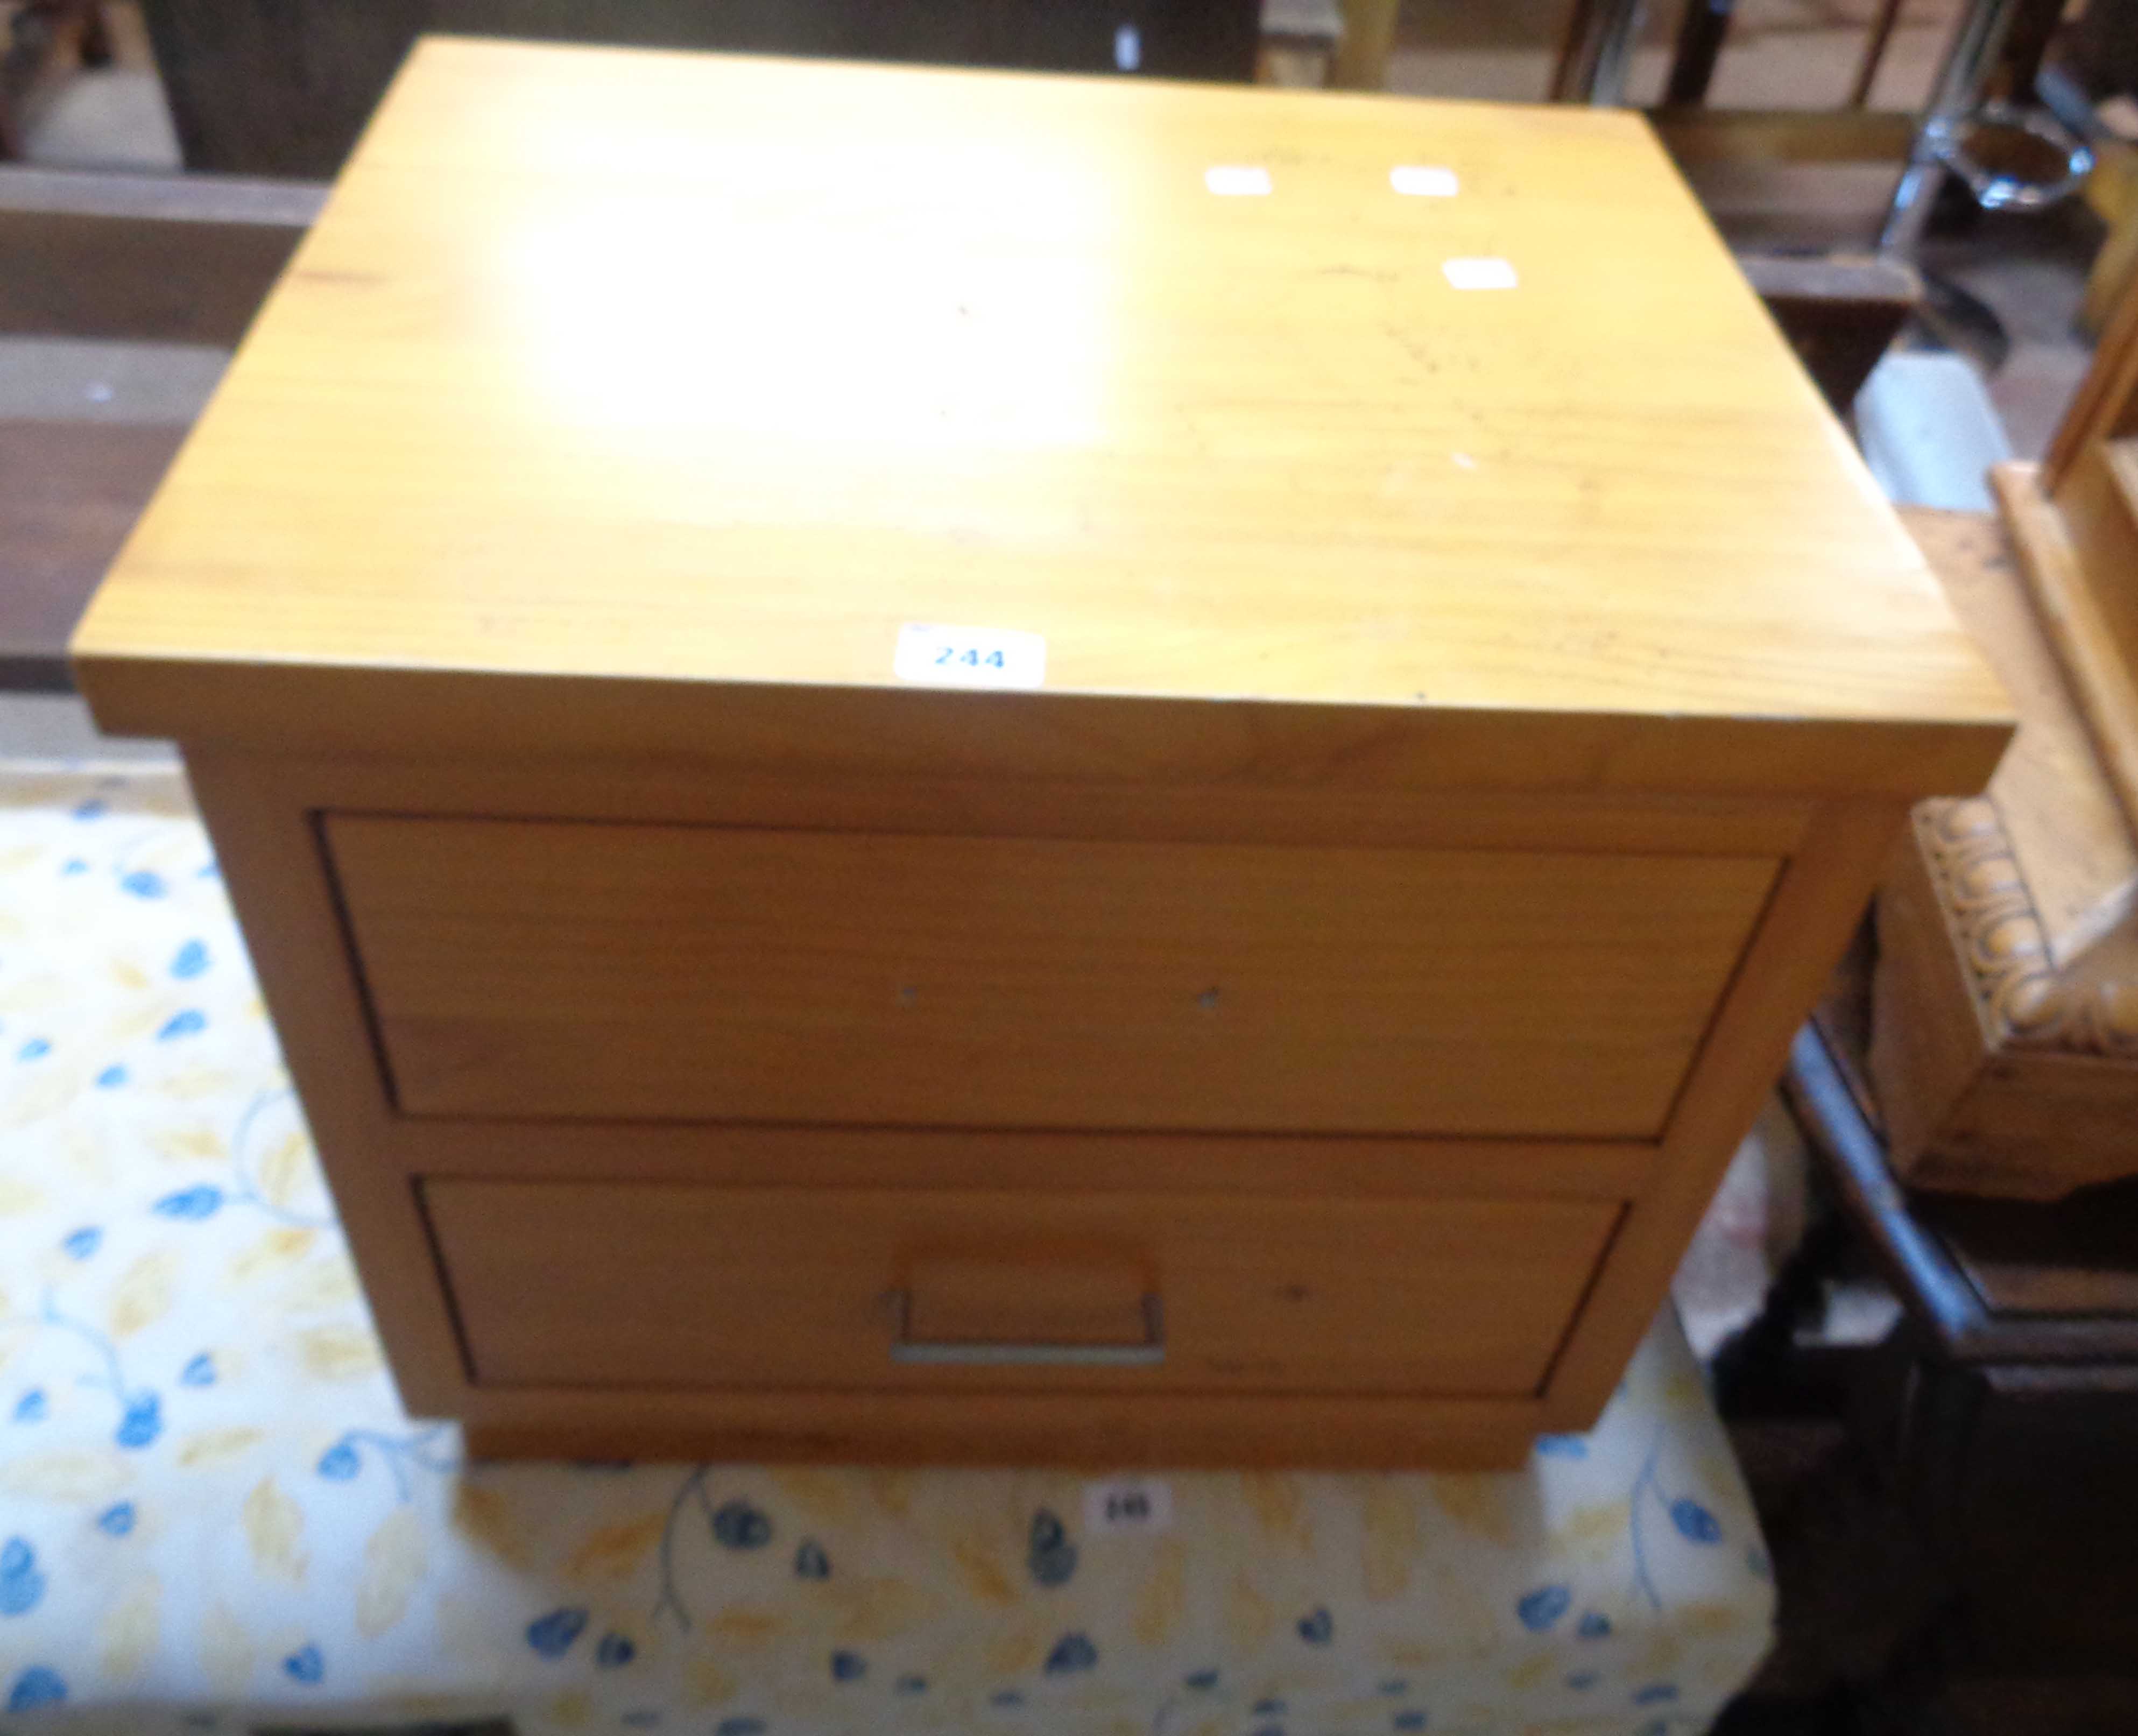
{"type": "Point", "coordinates": [971, 767]}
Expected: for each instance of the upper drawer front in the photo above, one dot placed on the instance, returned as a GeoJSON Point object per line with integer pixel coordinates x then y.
{"type": "Point", "coordinates": [648, 972]}
{"type": "Point", "coordinates": [649, 1285]}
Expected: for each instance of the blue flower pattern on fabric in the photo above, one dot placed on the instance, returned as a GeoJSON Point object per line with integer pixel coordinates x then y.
{"type": "Point", "coordinates": [36, 1049]}
{"type": "Point", "coordinates": [190, 1203]}
{"type": "Point", "coordinates": [141, 882]}
{"type": "Point", "coordinates": [551, 1635]}
{"type": "Point", "coordinates": [810, 1562]}
{"type": "Point", "coordinates": [32, 1407]}
{"type": "Point", "coordinates": [117, 1520]}
{"type": "Point", "coordinates": [738, 1525]}
{"type": "Point", "coordinates": [1409, 1719]}
{"type": "Point", "coordinates": [189, 1023]}
{"type": "Point", "coordinates": [22, 1584]}
{"type": "Point", "coordinates": [1538, 1610]}
{"type": "Point", "coordinates": [111, 1077]}
{"type": "Point", "coordinates": [305, 1665]}
{"type": "Point", "coordinates": [614, 1652]}
{"type": "Point", "coordinates": [35, 1687]}
{"type": "Point", "coordinates": [83, 1242]}
{"type": "Point", "coordinates": [191, 960]}
{"type": "Point", "coordinates": [1594, 1625]}
{"type": "Point", "coordinates": [1050, 1558]}
{"type": "Point", "coordinates": [1317, 1627]}
{"type": "Point", "coordinates": [739, 1727]}
{"type": "Point", "coordinates": [1072, 1652]}
{"type": "Point", "coordinates": [199, 1371]}
{"type": "Point", "coordinates": [848, 1666]}
{"type": "Point", "coordinates": [1695, 1524]}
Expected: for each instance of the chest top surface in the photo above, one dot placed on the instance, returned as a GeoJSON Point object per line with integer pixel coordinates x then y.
{"type": "Point", "coordinates": [721, 371]}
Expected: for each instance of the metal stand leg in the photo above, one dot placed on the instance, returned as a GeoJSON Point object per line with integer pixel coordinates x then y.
{"type": "Point", "coordinates": [1968, 58]}
{"type": "Point", "coordinates": [1597, 52]}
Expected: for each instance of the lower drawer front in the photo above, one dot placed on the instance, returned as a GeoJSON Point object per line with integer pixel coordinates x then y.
{"type": "Point", "coordinates": [652, 1284]}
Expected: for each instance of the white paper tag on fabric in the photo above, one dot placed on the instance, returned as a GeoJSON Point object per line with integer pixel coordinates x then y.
{"type": "Point", "coordinates": [1479, 274]}
{"type": "Point", "coordinates": [1424, 181]}
{"type": "Point", "coordinates": [1125, 1505]}
{"type": "Point", "coordinates": [969, 657]}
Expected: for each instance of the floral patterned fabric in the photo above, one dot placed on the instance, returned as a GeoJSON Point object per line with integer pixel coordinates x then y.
{"type": "Point", "coordinates": [215, 1517]}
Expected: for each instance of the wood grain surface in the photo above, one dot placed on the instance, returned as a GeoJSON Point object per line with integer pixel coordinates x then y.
{"type": "Point", "coordinates": [728, 974]}
{"type": "Point", "coordinates": [702, 374]}
{"type": "Point", "coordinates": [651, 1286]}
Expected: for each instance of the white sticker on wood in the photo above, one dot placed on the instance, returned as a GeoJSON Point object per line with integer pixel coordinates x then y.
{"type": "Point", "coordinates": [969, 657]}
{"type": "Point", "coordinates": [1424, 181]}
{"type": "Point", "coordinates": [1237, 181]}
{"type": "Point", "coordinates": [1479, 274]}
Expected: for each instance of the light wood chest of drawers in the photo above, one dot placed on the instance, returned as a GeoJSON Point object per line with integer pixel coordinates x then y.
{"type": "Point", "coordinates": [1281, 987]}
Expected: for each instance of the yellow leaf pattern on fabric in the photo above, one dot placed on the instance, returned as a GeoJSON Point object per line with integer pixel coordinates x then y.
{"type": "Point", "coordinates": [18, 1198]}
{"type": "Point", "coordinates": [1389, 1538]}
{"type": "Point", "coordinates": [130, 1628]}
{"type": "Point", "coordinates": [614, 1552]}
{"type": "Point", "coordinates": [1015, 1654]}
{"type": "Point", "coordinates": [216, 1446]}
{"type": "Point", "coordinates": [878, 1609]}
{"type": "Point", "coordinates": [276, 1248]}
{"type": "Point", "coordinates": [570, 1709]}
{"type": "Point", "coordinates": [707, 1684]}
{"type": "Point", "coordinates": [226, 1651]}
{"type": "Point", "coordinates": [893, 1490]}
{"type": "Point", "coordinates": [338, 1352]}
{"type": "Point", "coordinates": [1275, 1500]}
{"type": "Point", "coordinates": [1532, 1671]}
{"type": "Point", "coordinates": [274, 1531]}
{"type": "Point", "coordinates": [129, 975]}
{"type": "Point", "coordinates": [985, 1579]}
{"type": "Point", "coordinates": [144, 1295]}
{"type": "Point", "coordinates": [287, 1167]}
{"type": "Point", "coordinates": [1164, 1598]}
{"type": "Point", "coordinates": [327, 1283]}
{"type": "Point", "coordinates": [393, 1562]}
{"type": "Point", "coordinates": [822, 1494]}
{"type": "Point", "coordinates": [190, 1145]}
{"type": "Point", "coordinates": [1478, 1503]}
{"type": "Point", "coordinates": [189, 1085]}
{"type": "Point", "coordinates": [748, 1628]}
{"type": "Point", "coordinates": [80, 1477]}
{"type": "Point", "coordinates": [1249, 1619]}
{"type": "Point", "coordinates": [1594, 1528]}
{"type": "Point", "coordinates": [485, 1518]}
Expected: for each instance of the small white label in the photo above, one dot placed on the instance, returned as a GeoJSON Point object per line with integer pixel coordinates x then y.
{"type": "Point", "coordinates": [1479, 274]}
{"type": "Point", "coordinates": [1124, 1505]}
{"type": "Point", "coordinates": [969, 657]}
{"type": "Point", "coordinates": [1424, 181]}
{"type": "Point", "coordinates": [1237, 181]}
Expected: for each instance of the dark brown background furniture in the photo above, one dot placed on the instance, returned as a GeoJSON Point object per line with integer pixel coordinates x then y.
{"type": "Point", "coordinates": [280, 87]}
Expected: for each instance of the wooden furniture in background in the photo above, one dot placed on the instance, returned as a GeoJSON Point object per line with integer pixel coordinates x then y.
{"type": "Point", "coordinates": [157, 258]}
{"type": "Point", "coordinates": [280, 87]}
{"type": "Point", "coordinates": [2002, 1412]}
{"type": "Point", "coordinates": [38, 40]}
{"type": "Point", "coordinates": [2006, 1043]}
{"type": "Point", "coordinates": [1458, 728]}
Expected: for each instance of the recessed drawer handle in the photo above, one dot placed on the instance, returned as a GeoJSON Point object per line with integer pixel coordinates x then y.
{"type": "Point", "coordinates": [988, 1353]}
